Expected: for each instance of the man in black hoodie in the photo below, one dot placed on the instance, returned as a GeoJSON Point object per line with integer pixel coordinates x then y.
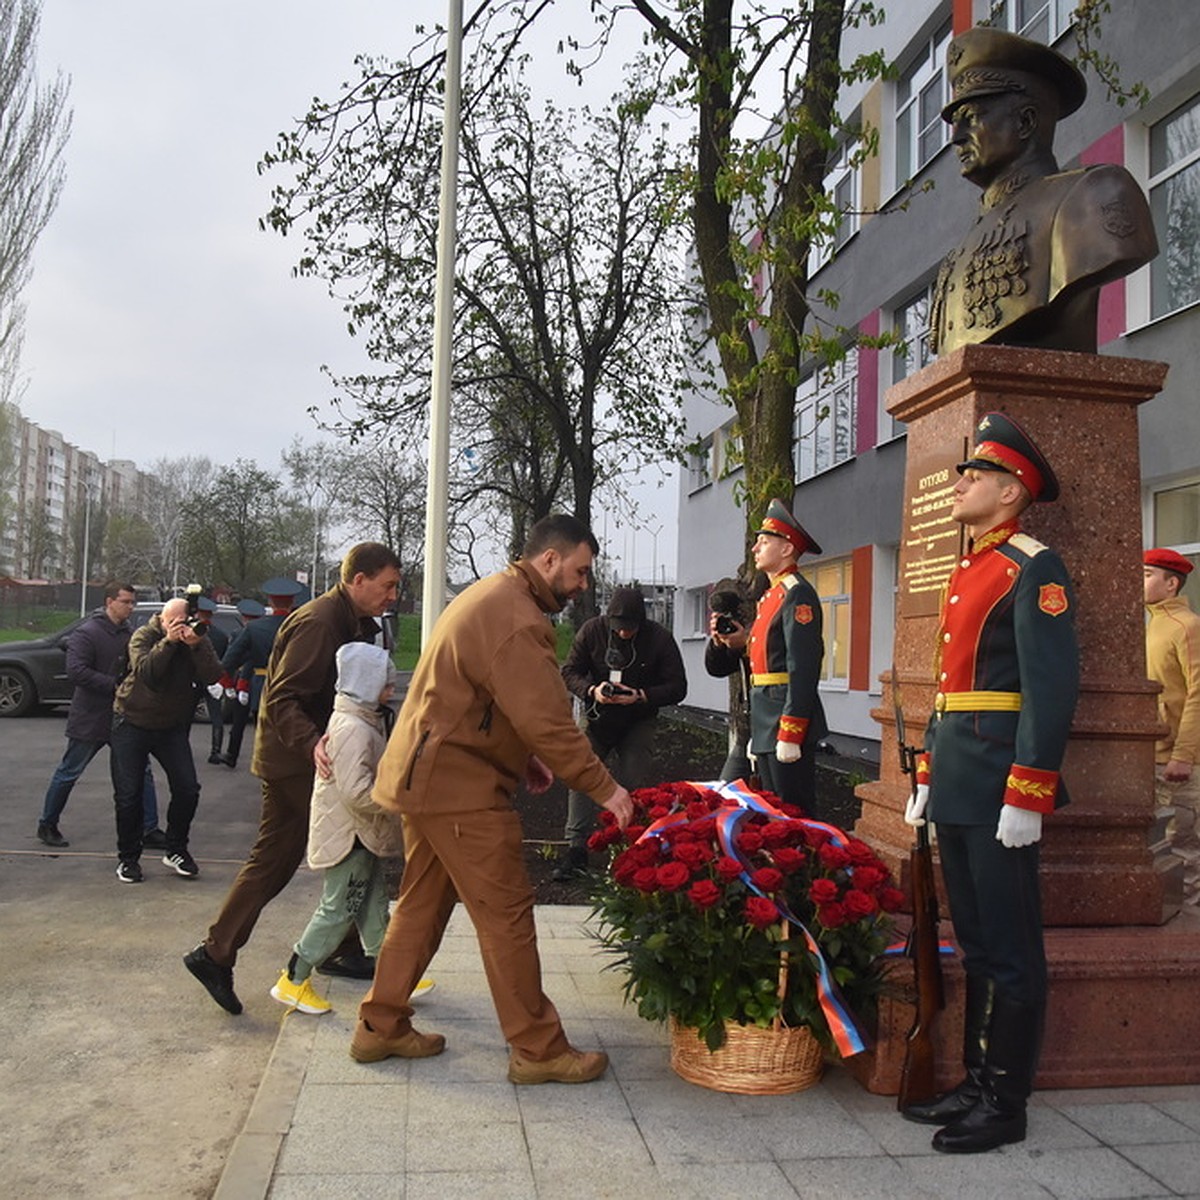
{"type": "Point", "coordinates": [624, 668]}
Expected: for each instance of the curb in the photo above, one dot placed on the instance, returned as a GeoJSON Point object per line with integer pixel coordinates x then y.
{"type": "Point", "coordinates": [250, 1166]}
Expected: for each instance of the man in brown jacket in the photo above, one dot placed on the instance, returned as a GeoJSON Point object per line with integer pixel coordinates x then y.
{"type": "Point", "coordinates": [486, 708]}
{"type": "Point", "coordinates": [288, 749]}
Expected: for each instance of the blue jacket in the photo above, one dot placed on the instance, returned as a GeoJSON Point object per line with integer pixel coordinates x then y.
{"type": "Point", "coordinates": [96, 655]}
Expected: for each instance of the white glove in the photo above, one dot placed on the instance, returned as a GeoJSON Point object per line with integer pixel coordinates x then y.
{"type": "Point", "coordinates": [787, 752]}
{"type": "Point", "coordinates": [1018, 827]}
{"type": "Point", "coordinates": [243, 698]}
{"type": "Point", "coordinates": [231, 693]}
{"type": "Point", "coordinates": [914, 810]}
{"type": "Point", "coordinates": [215, 690]}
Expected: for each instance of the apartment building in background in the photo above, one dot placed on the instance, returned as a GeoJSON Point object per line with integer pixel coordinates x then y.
{"type": "Point", "coordinates": [848, 452]}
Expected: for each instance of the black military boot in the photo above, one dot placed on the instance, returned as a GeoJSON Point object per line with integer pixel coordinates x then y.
{"type": "Point", "coordinates": [949, 1106]}
{"type": "Point", "coordinates": [1014, 1043]}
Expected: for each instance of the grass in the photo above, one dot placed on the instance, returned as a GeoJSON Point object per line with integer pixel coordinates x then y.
{"type": "Point", "coordinates": [49, 620]}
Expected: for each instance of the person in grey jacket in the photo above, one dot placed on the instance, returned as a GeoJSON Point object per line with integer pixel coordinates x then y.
{"type": "Point", "coordinates": [152, 717]}
{"type": "Point", "coordinates": [95, 658]}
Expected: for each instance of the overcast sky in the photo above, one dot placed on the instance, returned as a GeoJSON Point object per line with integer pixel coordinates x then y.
{"type": "Point", "coordinates": [161, 321]}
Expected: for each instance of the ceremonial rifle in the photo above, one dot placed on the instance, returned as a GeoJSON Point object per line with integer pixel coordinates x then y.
{"type": "Point", "coordinates": [918, 1081]}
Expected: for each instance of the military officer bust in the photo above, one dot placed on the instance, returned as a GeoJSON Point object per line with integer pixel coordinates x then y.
{"type": "Point", "coordinates": [1045, 240]}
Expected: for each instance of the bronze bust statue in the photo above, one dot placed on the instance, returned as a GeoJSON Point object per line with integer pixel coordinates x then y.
{"type": "Point", "coordinates": [1030, 271]}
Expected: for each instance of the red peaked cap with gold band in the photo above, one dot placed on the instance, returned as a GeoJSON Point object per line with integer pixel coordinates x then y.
{"type": "Point", "coordinates": [1002, 445]}
{"type": "Point", "coordinates": [781, 523]}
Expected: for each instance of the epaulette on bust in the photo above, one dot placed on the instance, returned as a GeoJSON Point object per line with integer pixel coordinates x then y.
{"type": "Point", "coordinates": [1026, 544]}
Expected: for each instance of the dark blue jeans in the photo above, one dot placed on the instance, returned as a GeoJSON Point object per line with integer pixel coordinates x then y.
{"type": "Point", "coordinates": [74, 762]}
{"type": "Point", "coordinates": [131, 749]}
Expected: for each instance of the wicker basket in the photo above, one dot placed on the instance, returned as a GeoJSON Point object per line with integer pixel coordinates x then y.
{"type": "Point", "coordinates": [753, 1061]}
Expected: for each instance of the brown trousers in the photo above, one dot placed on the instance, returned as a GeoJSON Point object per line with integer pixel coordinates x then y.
{"type": "Point", "coordinates": [475, 857]}
{"type": "Point", "coordinates": [278, 852]}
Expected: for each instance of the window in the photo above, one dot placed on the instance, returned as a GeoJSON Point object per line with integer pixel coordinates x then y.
{"type": "Point", "coordinates": [1041, 20]}
{"type": "Point", "coordinates": [695, 617]}
{"type": "Point", "coordinates": [920, 97]}
{"type": "Point", "coordinates": [1175, 204]}
{"type": "Point", "coordinates": [842, 188]}
{"type": "Point", "coordinates": [910, 321]}
{"type": "Point", "coordinates": [826, 411]}
{"type": "Point", "coordinates": [832, 583]}
{"type": "Point", "coordinates": [700, 464]}
{"type": "Point", "coordinates": [727, 454]}
{"type": "Point", "coordinates": [1177, 519]}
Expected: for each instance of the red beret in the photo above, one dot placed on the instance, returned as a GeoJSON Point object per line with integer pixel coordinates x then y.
{"type": "Point", "coordinates": [1168, 560]}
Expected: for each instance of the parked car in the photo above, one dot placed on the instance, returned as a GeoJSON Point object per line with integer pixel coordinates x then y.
{"type": "Point", "coordinates": [35, 672]}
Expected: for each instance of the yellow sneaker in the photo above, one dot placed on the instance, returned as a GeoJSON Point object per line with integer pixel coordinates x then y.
{"type": "Point", "coordinates": [423, 988]}
{"type": "Point", "coordinates": [300, 996]}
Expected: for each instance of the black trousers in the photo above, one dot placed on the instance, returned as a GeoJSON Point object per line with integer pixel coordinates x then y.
{"type": "Point", "coordinates": [996, 908]}
{"type": "Point", "coordinates": [794, 783]}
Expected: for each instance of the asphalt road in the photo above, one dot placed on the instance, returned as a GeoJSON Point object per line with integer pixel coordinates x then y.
{"type": "Point", "coordinates": [118, 1075]}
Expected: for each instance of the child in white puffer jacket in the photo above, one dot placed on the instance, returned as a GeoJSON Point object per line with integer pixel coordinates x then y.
{"type": "Point", "coordinates": [348, 834]}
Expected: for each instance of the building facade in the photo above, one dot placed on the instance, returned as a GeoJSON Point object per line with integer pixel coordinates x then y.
{"type": "Point", "coordinates": [904, 209]}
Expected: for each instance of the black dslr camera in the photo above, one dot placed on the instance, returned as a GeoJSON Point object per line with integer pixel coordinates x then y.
{"type": "Point", "coordinates": [728, 606]}
{"type": "Point", "coordinates": [194, 621]}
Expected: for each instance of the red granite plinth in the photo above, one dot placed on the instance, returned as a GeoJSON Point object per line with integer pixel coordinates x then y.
{"type": "Point", "coordinates": [1124, 967]}
{"type": "Point", "coordinates": [1122, 1003]}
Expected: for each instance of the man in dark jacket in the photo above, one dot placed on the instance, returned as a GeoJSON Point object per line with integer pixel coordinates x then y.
{"type": "Point", "coordinates": [624, 668]}
{"type": "Point", "coordinates": [152, 717]}
{"type": "Point", "coordinates": [95, 657]}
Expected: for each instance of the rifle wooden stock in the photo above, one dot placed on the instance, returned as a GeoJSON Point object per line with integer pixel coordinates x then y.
{"type": "Point", "coordinates": [918, 1080]}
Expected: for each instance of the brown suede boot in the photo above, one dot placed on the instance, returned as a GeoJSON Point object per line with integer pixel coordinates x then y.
{"type": "Point", "coordinates": [369, 1046]}
{"type": "Point", "coordinates": [572, 1066]}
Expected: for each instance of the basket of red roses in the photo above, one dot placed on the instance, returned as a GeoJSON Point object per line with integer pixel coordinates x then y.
{"type": "Point", "coordinates": [753, 930]}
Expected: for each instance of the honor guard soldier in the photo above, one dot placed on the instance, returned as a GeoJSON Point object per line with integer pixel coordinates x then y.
{"type": "Point", "coordinates": [214, 694]}
{"type": "Point", "coordinates": [785, 648]}
{"type": "Point", "coordinates": [1008, 678]}
{"type": "Point", "coordinates": [238, 680]}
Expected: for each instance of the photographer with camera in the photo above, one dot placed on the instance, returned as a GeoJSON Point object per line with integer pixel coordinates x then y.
{"type": "Point", "coordinates": [624, 668]}
{"type": "Point", "coordinates": [152, 717]}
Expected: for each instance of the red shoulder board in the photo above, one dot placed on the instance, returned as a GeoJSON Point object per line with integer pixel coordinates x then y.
{"type": "Point", "coordinates": [804, 613]}
{"type": "Point", "coordinates": [1052, 599]}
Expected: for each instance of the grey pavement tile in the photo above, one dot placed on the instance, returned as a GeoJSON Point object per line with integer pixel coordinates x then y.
{"type": "Point", "coordinates": [337, 1187]}
{"type": "Point", "coordinates": [1099, 1173]}
{"type": "Point", "coordinates": [359, 1128]}
{"type": "Point", "coordinates": [596, 1145]}
{"type": "Point", "coordinates": [1000, 1175]}
{"type": "Point", "coordinates": [1187, 1112]}
{"type": "Point", "coordinates": [444, 1103]}
{"type": "Point", "coordinates": [631, 1030]}
{"type": "Point", "coordinates": [468, 1146]}
{"type": "Point", "coordinates": [816, 1133]}
{"type": "Point", "coordinates": [735, 1140]}
{"type": "Point", "coordinates": [853, 1179]}
{"type": "Point", "coordinates": [763, 1181]}
{"type": "Point", "coordinates": [639, 1062]}
{"type": "Point", "coordinates": [1177, 1166]}
{"type": "Point", "coordinates": [601, 1100]}
{"type": "Point", "coordinates": [470, 1185]}
{"type": "Point", "coordinates": [1128, 1124]}
{"type": "Point", "coordinates": [673, 1101]}
{"type": "Point", "coordinates": [613, 1181]}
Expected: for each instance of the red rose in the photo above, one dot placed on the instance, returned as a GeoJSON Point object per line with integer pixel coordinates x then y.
{"type": "Point", "coordinates": [672, 876]}
{"type": "Point", "coordinates": [603, 838]}
{"type": "Point", "coordinates": [696, 809]}
{"type": "Point", "coordinates": [728, 868]}
{"type": "Point", "coordinates": [861, 854]}
{"type": "Point", "coordinates": [704, 829]}
{"type": "Point", "coordinates": [704, 894]}
{"type": "Point", "coordinates": [634, 832]}
{"type": "Point", "coordinates": [693, 855]}
{"type": "Point", "coordinates": [775, 833]}
{"type": "Point", "coordinates": [790, 810]}
{"type": "Point", "coordinates": [607, 818]}
{"type": "Point", "coordinates": [823, 891]}
{"type": "Point", "coordinates": [646, 853]}
{"type": "Point", "coordinates": [658, 811]}
{"type": "Point", "coordinates": [645, 879]}
{"type": "Point", "coordinates": [761, 912]}
{"type": "Point", "coordinates": [788, 859]}
{"type": "Point", "coordinates": [749, 841]}
{"type": "Point", "coordinates": [869, 878]}
{"type": "Point", "coordinates": [832, 857]}
{"type": "Point", "coordinates": [891, 899]}
{"type": "Point", "coordinates": [832, 915]}
{"type": "Point", "coordinates": [859, 904]}
{"type": "Point", "coordinates": [816, 838]}
{"type": "Point", "coordinates": [767, 879]}
{"type": "Point", "coordinates": [624, 868]}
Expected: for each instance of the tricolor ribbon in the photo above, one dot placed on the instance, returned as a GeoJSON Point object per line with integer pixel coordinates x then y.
{"type": "Point", "coordinates": [848, 1035]}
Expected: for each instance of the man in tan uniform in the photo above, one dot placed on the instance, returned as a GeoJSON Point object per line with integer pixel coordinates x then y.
{"type": "Point", "coordinates": [486, 708]}
{"type": "Point", "coordinates": [1173, 659]}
